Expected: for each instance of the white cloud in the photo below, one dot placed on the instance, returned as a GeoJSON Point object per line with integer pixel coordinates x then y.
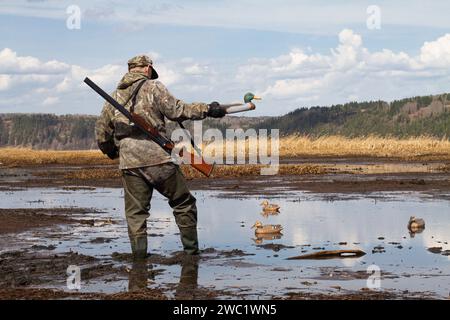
{"type": "Point", "coordinates": [349, 71]}
{"type": "Point", "coordinates": [5, 81]}
{"type": "Point", "coordinates": [167, 75]}
{"type": "Point", "coordinates": [196, 70]}
{"type": "Point", "coordinates": [295, 79]}
{"type": "Point", "coordinates": [49, 101]}
{"type": "Point", "coordinates": [28, 80]}
{"type": "Point", "coordinates": [11, 63]}
{"type": "Point", "coordinates": [436, 53]}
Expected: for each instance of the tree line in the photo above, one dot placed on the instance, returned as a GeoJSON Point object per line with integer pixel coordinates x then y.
{"type": "Point", "coordinates": [423, 115]}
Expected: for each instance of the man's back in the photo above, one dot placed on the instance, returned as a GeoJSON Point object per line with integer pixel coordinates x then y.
{"type": "Point", "coordinates": [154, 103]}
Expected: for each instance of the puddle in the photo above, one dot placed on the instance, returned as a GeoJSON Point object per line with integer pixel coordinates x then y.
{"type": "Point", "coordinates": [377, 226]}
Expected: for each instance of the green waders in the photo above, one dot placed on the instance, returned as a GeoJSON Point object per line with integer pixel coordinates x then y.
{"type": "Point", "coordinates": [168, 180]}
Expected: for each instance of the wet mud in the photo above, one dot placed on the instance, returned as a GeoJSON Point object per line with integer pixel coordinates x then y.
{"type": "Point", "coordinates": [19, 220]}
{"type": "Point", "coordinates": [47, 236]}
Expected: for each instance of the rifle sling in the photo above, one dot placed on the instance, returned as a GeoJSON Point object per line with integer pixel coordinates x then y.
{"type": "Point", "coordinates": [134, 94]}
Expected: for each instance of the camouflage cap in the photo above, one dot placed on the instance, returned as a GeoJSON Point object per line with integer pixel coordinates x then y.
{"type": "Point", "coordinates": [142, 61]}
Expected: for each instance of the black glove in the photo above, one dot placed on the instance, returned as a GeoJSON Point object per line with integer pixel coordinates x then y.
{"type": "Point", "coordinates": [215, 110]}
{"type": "Point", "coordinates": [109, 148]}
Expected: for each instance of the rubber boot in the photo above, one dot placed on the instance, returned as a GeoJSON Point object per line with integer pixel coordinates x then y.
{"type": "Point", "coordinates": [189, 239]}
{"type": "Point", "coordinates": [139, 247]}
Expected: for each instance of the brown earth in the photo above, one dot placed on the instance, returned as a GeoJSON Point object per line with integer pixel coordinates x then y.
{"type": "Point", "coordinates": [19, 220]}
{"type": "Point", "coordinates": [324, 175]}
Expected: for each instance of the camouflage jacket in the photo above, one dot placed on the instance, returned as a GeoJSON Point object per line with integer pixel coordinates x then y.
{"type": "Point", "coordinates": [155, 103]}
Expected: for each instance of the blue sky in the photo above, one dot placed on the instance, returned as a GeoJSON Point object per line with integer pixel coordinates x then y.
{"type": "Point", "coordinates": [293, 53]}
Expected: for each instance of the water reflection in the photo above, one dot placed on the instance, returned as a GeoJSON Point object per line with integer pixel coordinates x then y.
{"type": "Point", "coordinates": [309, 224]}
{"type": "Point", "coordinates": [260, 238]}
{"type": "Point", "coordinates": [188, 278]}
{"type": "Point", "coordinates": [138, 276]}
{"type": "Point", "coordinates": [266, 214]}
{"type": "Point", "coordinates": [141, 274]}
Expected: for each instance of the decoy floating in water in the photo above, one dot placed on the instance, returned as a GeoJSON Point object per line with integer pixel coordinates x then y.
{"type": "Point", "coordinates": [267, 229]}
{"type": "Point", "coordinates": [270, 207]}
{"type": "Point", "coordinates": [415, 225]}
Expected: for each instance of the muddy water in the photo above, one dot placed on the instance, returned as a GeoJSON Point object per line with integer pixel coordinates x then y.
{"type": "Point", "coordinates": [377, 226]}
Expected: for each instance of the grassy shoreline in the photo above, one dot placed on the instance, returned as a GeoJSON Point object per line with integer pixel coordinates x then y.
{"type": "Point", "coordinates": [420, 148]}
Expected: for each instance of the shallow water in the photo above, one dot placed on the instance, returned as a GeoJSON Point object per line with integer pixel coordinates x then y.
{"type": "Point", "coordinates": [309, 223]}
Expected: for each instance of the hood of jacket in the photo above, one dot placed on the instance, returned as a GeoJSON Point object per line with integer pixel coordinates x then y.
{"type": "Point", "coordinates": [129, 78]}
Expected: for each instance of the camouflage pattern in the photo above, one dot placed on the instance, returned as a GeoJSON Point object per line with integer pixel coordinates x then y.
{"type": "Point", "coordinates": [104, 128]}
{"type": "Point", "coordinates": [168, 180]}
{"type": "Point", "coordinates": [155, 103]}
{"type": "Point", "coordinates": [142, 61]}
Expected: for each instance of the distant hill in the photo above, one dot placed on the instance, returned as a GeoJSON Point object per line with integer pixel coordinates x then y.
{"type": "Point", "coordinates": [76, 132]}
{"type": "Point", "coordinates": [47, 131]}
{"type": "Point", "coordinates": [426, 115]}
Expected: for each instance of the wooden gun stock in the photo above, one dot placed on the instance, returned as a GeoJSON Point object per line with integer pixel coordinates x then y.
{"type": "Point", "coordinates": [202, 167]}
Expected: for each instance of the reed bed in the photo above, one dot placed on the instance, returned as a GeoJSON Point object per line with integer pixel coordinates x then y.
{"type": "Point", "coordinates": [220, 171]}
{"type": "Point", "coordinates": [418, 148]}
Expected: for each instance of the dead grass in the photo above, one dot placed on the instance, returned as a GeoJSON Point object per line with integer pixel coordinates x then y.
{"type": "Point", "coordinates": [220, 171]}
{"type": "Point", "coordinates": [225, 171]}
{"type": "Point", "coordinates": [12, 157]}
{"type": "Point", "coordinates": [445, 168]}
{"type": "Point", "coordinates": [420, 148]}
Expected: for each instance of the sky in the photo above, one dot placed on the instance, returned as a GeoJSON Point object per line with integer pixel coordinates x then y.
{"type": "Point", "coordinates": [292, 53]}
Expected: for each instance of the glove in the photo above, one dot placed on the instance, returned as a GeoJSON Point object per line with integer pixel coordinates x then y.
{"type": "Point", "coordinates": [215, 110]}
{"type": "Point", "coordinates": [114, 154]}
{"type": "Point", "coordinates": [109, 148]}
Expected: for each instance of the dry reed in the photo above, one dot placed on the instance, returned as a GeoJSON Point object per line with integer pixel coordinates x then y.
{"type": "Point", "coordinates": [419, 148]}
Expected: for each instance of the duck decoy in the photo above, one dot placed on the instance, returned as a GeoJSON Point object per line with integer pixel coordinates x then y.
{"type": "Point", "coordinates": [267, 229]}
{"type": "Point", "coordinates": [270, 207]}
{"type": "Point", "coordinates": [240, 107]}
{"type": "Point", "coordinates": [249, 97]}
{"type": "Point", "coordinates": [415, 225]}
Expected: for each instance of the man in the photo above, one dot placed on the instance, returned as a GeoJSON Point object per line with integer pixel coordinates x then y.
{"type": "Point", "coordinates": [144, 164]}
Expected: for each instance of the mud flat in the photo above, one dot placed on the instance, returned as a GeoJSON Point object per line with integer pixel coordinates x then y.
{"type": "Point", "coordinates": [317, 175]}
{"type": "Point", "coordinates": [23, 219]}
{"type": "Point", "coordinates": [56, 216]}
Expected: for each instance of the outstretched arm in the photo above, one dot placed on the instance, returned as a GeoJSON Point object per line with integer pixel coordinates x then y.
{"type": "Point", "coordinates": [178, 110]}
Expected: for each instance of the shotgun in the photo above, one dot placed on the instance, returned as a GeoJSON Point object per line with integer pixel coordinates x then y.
{"type": "Point", "coordinates": [151, 132]}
